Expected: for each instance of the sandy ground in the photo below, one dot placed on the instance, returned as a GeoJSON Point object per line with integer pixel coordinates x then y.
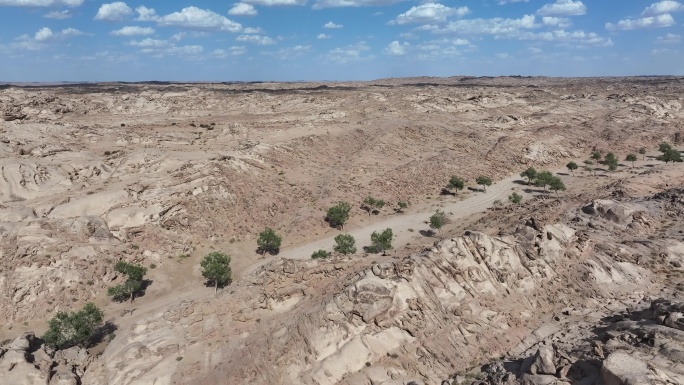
{"type": "Point", "coordinates": [150, 173]}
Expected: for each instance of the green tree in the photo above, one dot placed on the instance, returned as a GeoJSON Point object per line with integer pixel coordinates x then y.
{"type": "Point", "coordinates": [613, 165]}
{"type": "Point", "coordinates": [544, 178]}
{"type": "Point", "coordinates": [345, 244]}
{"type": "Point", "coordinates": [269, 242]}
{"type": "Point", "coordinates": [338, 215]}
{"type": "Point", "coordinates": [382, 241]}
{"type": "Point", "coordinates": [437, 221]}
{"type": "Point", "coordinates": [572, 166]}
{"type": "Point", "coordinates": [320, 254]}
{"type": "Point", "coordinates": [631, 158]}
{"type": "Point", "coordinates": [556, 184]}
{"type": "Point", "coordinates": [664, 147]}
{"type": "Point", "coordinates": [70, 329]}
{"type": "Point", "coordinates": [596, 155]}
{"type": "Point", "coordinates": [455, 183]}
{"type": "Point", "coordinates": [401, 206]}
{"type": "Point", "coordinates": [642, 151]}
{"type": "Point", "coordinates": [128, 289]}
{"type": "Point", "coordinates": [670, 155]}
{"type": "Point", "coordinates": [515, 198]}
{"type": "Point", "coordinates": [530, 174]}
{"type": "Point", "coordinates": [134, 272]}
{"type": "Point", "coordinates": [216, 269]}
{"type": "Point", "coordinates": [610, 158]}
{"type": "Point", "coordinates": [372, 205]}
{"type": "Point", "coordinates": [484, 182]}
{"type": "Point", "coordinates": [133, 284]}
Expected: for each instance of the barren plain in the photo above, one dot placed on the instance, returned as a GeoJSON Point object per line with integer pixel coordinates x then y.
{"type": "Point", "coordinates": [579, 287]}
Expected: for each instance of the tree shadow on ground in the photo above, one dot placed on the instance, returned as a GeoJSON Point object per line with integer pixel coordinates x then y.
{"type": "Point", "coordinates": [563, 173]}
{"type": "Point", "coordinates": [446, 192]}
{"type": "Point", "coordinates": [144, 284]}
{"type": "Point", "coordinates": [476, 189]}
{"type": "Point", "coordinates": [520, 181]}
{"type": "Point", "coordinates": [537, 191]}
{"type": "Point", "coordinates": [101, 332]}
{"type": "Point", "coordinates": [427, 233]}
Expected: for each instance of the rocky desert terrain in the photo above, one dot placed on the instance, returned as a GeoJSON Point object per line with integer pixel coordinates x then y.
{"type": "Point", "coordinates": [580, 287]}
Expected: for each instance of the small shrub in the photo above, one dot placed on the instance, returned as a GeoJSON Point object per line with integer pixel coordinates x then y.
{"type": "Point", "coordinates": [320, 254]}
{"type": "Point", "coordinates": [153, 266]}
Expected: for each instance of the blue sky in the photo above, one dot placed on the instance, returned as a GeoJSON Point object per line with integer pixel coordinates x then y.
{"type": "Point", "coordinates": [202, 40]}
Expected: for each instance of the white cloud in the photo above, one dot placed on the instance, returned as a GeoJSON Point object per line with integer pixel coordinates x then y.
{"type": "Point", "coordinates": [188, 51]}
{"type": "Point", "coordinates": [40, 3]}
{"type": "Point", "coordinates": [252, 30]}
{"type": "Point", "coordinates": [322, 36]}
{"type": "Point", "coordinates": [320, 4]}
{"type": "Point", "coordinates": [661, 7]}
{"type": "Point", "coordinates": [670, 38]}
{"type": "Point", "coordinates": [242, 9]}
{"type": "Point", "coordinates": [256, 39]}
{"type": "Point", "coordinates": [232, 51]}
{"type": "Point", "coordinates": [331, 25]}
{"type": "Point", "coordinates": [535, 50]}
{"type": "Point", "coordinates": [289, 52]}
{"type": "Point", "coordinates": [429, 13]}
{"type": "Point", "coordinates": [495, 26]}
{"type": "Point", "coordinates": [44, 36]}
{"type": "Point", "coordinates": [59, 15]}
{"type": "Point", "coordinates": [560, 22]}
{"type": "Point", "coordinates": [133, 31]}
{"type": "Point", "coordinates": [147, 43]}
{"type": "Point", "coordinates": [116, 11]}
{"type": "Point", "coordinates": [199, 19]}
{"type": "Point", "coordinates": [348, 53]}
{"type": "Point", "coordinates": [563, 8]}
{"type": "Point", "coordinates": [664, 52]}
{"type": "Point", "coordinates": [269, 3]}
{"type": "Point", "coordinates": [146, 14]}
{"type": "Point", "coordinates": [502, 2]}
{"type": "Point", "coordinates": [665, 20]}
{"type": "Point", "coordinates": [396, 49]}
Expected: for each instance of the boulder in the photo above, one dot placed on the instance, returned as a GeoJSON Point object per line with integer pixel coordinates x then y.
{"type": "Point", "coordinates": [543, 362]}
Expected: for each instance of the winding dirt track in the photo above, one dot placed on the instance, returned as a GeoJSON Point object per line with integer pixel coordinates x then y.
{"type": "Point", "coordinates": [401, 223]}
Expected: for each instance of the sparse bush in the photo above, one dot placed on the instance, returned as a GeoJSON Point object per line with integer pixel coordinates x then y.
{"type": "Point", "coordinates": [320, 254]}
{"type": "Point", "coordinates": [670, 155]}
{"type": "Point", "coordinates": [437, 221]}
{"type": "Point", "coordinates": [544, 178]}
{"type": "Point", "coordinates": [484, 182]}
{"type": "Point", "coordinates": [455, 183]}
{"type": "Point", "coordinates": [338, 215]}
{"type": "Point", "coordinates": [631, 158]}
{"type": "Point", "coordinates": [515, 198]}
{"type": "Point", "coordinates": [556, 184]}
{"type": "Point", "coordinates": [401, 206]}
{"type": "Point", "coordinates": [269, 242]}
{"type": "Point", "coordinates": [70, 329]}
{"type": "Point", "coordinates": [372, 205]}
{"type": "Point", "coordinates": [345, 244]}
{"type": "Point", "coordinates": [133, 284]}
{"type": "Point", "coordinates": [530, 174]}
{"type": "Point", "coordinates": [381, 242]}
{"type": "Point", "coordinates": [642, 151]}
